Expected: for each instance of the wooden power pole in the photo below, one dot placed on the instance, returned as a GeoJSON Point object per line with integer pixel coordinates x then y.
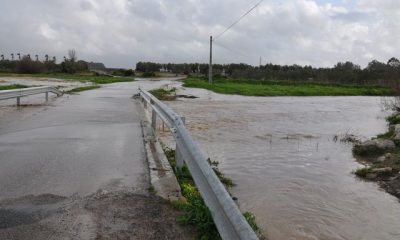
{"type": "Point", "coordinates": [210, 65]}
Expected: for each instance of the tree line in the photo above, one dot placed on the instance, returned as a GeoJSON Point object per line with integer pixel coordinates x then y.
{"type": "Point", "coordinates": [26, 65]}
{"type": "Point", "coordinates": [375, 73]}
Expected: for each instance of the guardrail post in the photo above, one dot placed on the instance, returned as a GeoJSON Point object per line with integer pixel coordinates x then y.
{"type": "Point", "coordinates": [47, 96]}
{"type": "Point", "coordinates": [154, 120]}
{"type": "Point", "coordinates": [178, 155]}
{"type": "Point", "coordinates": [18, 101]}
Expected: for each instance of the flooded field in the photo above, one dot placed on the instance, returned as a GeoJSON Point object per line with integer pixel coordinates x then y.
{"type": "Point", "coordinates": [289, 170]}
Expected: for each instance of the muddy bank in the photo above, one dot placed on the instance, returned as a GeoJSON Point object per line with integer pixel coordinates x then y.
{"type": "Point", "coordinates": [104, 215]}
{"type": "Point", "coordinates": [381, 157]}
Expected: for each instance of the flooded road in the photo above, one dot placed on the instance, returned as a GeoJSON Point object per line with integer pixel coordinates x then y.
{"type": "Point", "coordinates": [289, 171]}
{"type": "Point", "coordinates": [75, 168]}
{"type": "Point", "coordinates": [75, 144]}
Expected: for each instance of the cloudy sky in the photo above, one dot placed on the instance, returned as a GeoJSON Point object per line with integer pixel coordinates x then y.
{"type": "Point", "coordinates": [122, 32]}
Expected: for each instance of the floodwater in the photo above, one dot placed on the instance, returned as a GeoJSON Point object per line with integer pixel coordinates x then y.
{"type": "Point", "coordinates": [289, 172]}
{"type": "Point", "coordinates": [74, 144]}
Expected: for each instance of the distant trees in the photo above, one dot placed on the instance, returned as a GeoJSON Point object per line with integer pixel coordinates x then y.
{"type": "Point", "coordinates": [342, 73]}
{"type": "Point", "coordinates": [27, 65]}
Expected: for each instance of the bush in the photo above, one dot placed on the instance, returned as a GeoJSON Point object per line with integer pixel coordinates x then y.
{"type": "Point", "coordinates": [393, 119]}
{"type": "Point", "coordinates": [26, 65]}
{"type": "Point", "coordinates": [124, 72]}
{"type": "Point", "coordinates": [7, 65]}
{"type": "Point", "coordinates": [148, 74]}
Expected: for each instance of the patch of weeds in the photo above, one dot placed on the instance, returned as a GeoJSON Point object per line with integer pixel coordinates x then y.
{"type": "Point", "coordinates": [225, 180]}
{"type": "Point", "coordinates": [152, 190]}
{"type": "Point", "coordinates": [362, 172]}
{"type": "Point", "coordinates": [251, 219]}
{"type": "Point", "coordinates": [11, 87]}
{"type": "Point", "coordinates": [347, 137]}
{"type": "Point", "coordinates": [164, 94]}
{"type": "Point", "coordinates": [195, 211]}
{"type": "Point", "coordinates": [81, 89]}
{"type": "Point", "coordinates": [389, 134]}
{"type": "Point", "coordinates": [393, 119]}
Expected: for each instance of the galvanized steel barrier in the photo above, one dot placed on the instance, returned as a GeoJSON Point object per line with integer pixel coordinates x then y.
{"type": "Point", "coordinates": [23, 92]}
{"type": "Point", "coordinates": [227, 217]}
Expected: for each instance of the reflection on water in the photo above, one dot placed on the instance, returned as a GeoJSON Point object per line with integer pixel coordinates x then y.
{"type": "Point", "coordinates": [290, 173]}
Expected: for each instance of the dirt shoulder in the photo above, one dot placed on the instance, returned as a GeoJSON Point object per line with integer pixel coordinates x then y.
{"type": "Point", "coordinates": [104, 215]}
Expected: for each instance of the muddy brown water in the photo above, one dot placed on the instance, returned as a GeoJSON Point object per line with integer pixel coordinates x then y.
{"type": "Point", "coordinates": [289, 171]}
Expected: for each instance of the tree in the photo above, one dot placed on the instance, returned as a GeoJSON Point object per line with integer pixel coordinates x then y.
{"type": "Point", "coordinates": [72, 55]}
{"type": "Point", "coordinates": [393, 62]}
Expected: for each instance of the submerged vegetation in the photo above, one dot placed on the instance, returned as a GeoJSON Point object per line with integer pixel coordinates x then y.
{"type": "Point", "coordinates": [164, 94]}
{"type": "Point", "coordinates": [282, 88]}
{"type": "Point", "coordinates": [11, 87]}
{"type": "Point", "coordinates": [81, 89]}
{"type": "Point", "coordinates": [195, 211]}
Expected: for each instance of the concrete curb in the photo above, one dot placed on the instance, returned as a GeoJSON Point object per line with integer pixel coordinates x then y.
{"type": "Point", "coordinates": [162, 176]}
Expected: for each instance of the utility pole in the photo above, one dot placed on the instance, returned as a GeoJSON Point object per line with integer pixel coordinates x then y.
{"type": "Point", "coordinates": [210, 65]}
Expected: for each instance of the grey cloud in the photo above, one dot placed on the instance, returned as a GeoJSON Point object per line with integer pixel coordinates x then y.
{"type": "Point", "coordinates": [122, 32]}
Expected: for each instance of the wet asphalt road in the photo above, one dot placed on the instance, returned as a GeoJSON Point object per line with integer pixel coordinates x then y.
{"type": "Point", "coordinates": [75, 168]}
{"type": "Point", "coordinates": [77, 144]}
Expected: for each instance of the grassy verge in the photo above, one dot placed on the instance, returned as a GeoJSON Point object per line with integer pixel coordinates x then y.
{"type": "Point", "coordinates": [283, 88]}
{"type": "Point", "coordinates": [14, 86]}
{"type": "Point", "coordinates": [195, 211]}
{"type": "Point", "coordinates": [164, 94]}
{"type": "Point", "coordinates": [82, 77]}
{"type": "Point", "coordinates": [81, 89]}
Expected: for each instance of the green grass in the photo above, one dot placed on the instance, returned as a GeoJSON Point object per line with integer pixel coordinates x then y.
{"type": "Point", "coordinates": [164, 94]}
{"type": "Point", "coordinates": [81, 89]}
{"type": "Point", "coordinates": [82, 77]}
{"type": "Point", "coordinates": [14, 86]}
{"type": "Point", "coordinates": [283, 88]}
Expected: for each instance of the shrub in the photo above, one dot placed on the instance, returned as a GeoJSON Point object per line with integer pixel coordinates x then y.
{"type": "Point", "coordinates": [26, 65]}
{"type": "Point", "coordinates": [393, 119]}
{"type": "Point", "coordinates": [148, 74]}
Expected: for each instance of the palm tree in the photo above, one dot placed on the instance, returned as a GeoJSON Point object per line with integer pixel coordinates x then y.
{"type": "Point", "coordinates": [19, 56]}
{"type": "Point", "coordinates": [2, 57]}
{"type": "Point", "coordinates": [47, 57]}
{"type": "Point", "coordinates": [12, 56]}
{"type": "Point", "coordinates": [37, 57]}
{"type": "Point", "coordinates": [54, 59]}
{"type": "Point", "coordinates": [29, 56]}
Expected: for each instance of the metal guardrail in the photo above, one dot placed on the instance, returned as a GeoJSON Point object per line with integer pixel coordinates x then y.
{"type": "Point", "coordinates": [23, 92]}
{"type": "Point", "coordinates": [227, 217]}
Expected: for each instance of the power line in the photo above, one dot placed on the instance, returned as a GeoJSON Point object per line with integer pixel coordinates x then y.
{"type": "Point", "coordinates": [237, 21]}
{"type": "Point", "coordinates": [231, 50]}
